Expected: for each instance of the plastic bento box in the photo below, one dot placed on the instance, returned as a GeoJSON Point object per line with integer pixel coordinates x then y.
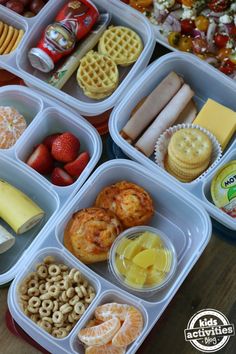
{"type": "Point", "coordinates": [43, 117]}
{"type": "Point", "coordinates": [205, 83]}
{"type": "Point", "coordinates": [189, 237]}
{"type": "Point", "coordinates": [18, 63]}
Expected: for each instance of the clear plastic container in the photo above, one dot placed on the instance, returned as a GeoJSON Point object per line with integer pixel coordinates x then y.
{"type": "Point", "coordinates": [71, 94]}
{"type": "Point", "coordinates": [205, 83]}
{"type": "Point", "coordinates": [134, 233]}
{"type": "Point", "coordinates": [189, 235]}
{"type": "Point", "coordinates": [43, 117]}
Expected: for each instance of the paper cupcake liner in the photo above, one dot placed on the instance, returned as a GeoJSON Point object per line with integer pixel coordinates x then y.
{"type": "Point", "coordinates": [163, 142]}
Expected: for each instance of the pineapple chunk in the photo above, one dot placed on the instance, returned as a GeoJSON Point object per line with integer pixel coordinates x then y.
{"type": "Point", "coordinates": [122, 265]}
{"type": "Point", "coordinates": [154, 277]}
{"type": "Point", "coordinates": [163, 260]}
{"type": "Point", "coordinates": [146, 258]}
{"type": "Point", "coordinates": [150, 240]}
{"type": "Point", "coordinates": [132, 249]}
{"type": "Point", "coordinates": [136, 276]}
{"type": "Point", "coordinates": [122, 245]}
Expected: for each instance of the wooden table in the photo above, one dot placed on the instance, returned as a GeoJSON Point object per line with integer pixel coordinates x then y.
{"type": "Point", "coordinates": [211, 284]}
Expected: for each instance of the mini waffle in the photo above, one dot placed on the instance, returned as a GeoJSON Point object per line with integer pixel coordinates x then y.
{"type": "Point", "coordinates": [121, 44]}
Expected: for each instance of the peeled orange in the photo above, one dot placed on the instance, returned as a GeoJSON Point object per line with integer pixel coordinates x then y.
{"type": "Point", "coordinates": [101, 334]}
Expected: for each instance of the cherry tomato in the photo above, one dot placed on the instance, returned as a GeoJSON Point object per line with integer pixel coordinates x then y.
{"type": "Point", "coordinates": [200, 45]}
{"type": "Point", "coordinates": [15, 6]}
{"type": "Point", "coordinates": [202, 23]}
{"type": "Point", "coordinates": [223, 53]}
{"type": "Point", "coordinates": [218, 5]}
{"type": "Point", "coordinates": [174, 38]}
{"type": "Point", "coordinates": [36, 6]}
{"type": "Point", "coordinates": [221, 40]}
{"type": "Point", "coordinates": [227, 67]}
{"type": "Point", "coordinates": [232, 30]}
{"type": "Point", "coordinates": [232, 58]}
{"type": "Point", "coordinates": [188, 3]}
{"type": "Point", "coordinates": [187, 26]}
{"type": "Point", "coordinates": [185, 44]}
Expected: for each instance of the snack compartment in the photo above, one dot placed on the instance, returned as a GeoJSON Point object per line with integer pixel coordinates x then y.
{"type": "Point", "coordinates": [189, 235]}
{"type": "Point", "coordinates": [38, 191]}
{"type": "Point", "coordinates": [72, 94]}
{"type": "Point", "coordinates": [26, 102]}
{"type": "Point", "coordinates": [110, 296]}
{"type": "Point", "coordinates": [57, 120]}
{"type": "Point", "coordinates": [60, 345]}
{"type": "Point", "coordinates": [217, 213]}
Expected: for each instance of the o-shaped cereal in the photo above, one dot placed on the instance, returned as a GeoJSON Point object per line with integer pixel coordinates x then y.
{"type": "Point", "coordinates": [45, 296]}
{"type": "Point", "coordinates": [77, 277]}
{"type": "Point", "coordinates": [57, 317]}
{"type": "Point", "coordinates": [54, 291]}
{"type": "Point", "coordinates": [63, 267]}
{"type": "Point", "coordinates": [49, 260]}
{"type": "Point", "coordinates": [45, 325]}
{"type": "Point", "coordinates": [79, 308]}
{"type": "Point", "coordinates": [84, 283]}
{"type": "Point", "coordinates": [54, 270]}
{"type": "Point", "coordinates": [32, 309]}
{"type": "Point", "coordinates": [33, 291]}
{"type": "Point", "coordinates": [42, 288]}
{"type": "Point", "coordinates": [55, 306]}
{"type": "Point", "coordinates": [44, 312]}
{"type": "Point", "coordinates": [47, 304]}
{"type": "Point", "coordinates": [91, 289]}
{"type": "Point", "coordinates": [64, 296]}
{"type": "Point", "coordinates": [74, 300]}
{"type": "Point", "coordinates": [35, 317]}
{"type": "Point", "coordinates": [33, 283]}
{"type": "Point", "coordinates": [66, 308]}
{"type": "Point", "coordinates": [23, 288]}
{"type": "Point", "coordinates": [59, 333]}
{"type": "Point", "coordinates": [70, 292]}
{"type": "Point", "coordinates": [24, 297]}
{"type": "Point", "coordinates": [34, 301]}
{"type": "Point", "coordinates": [89, 298]}
{"type": "Point", "coordinates": [72, 272]}
{"type": "Point", "coordinates": [48, 319]}
{"type": "Point", "coordinates": [42, 271]}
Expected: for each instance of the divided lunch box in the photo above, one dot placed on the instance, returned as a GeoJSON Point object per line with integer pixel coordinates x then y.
{"type": "Point", "coordinates": [43, 117]}
{"type": "Point", "coordinates": [206, 84]}
{"type": "Point", "coordinates": [188, 226]}
{"type": "Point", "coordinates": [72, 94]}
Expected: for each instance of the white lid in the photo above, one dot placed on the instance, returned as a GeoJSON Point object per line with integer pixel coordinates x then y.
{"type": "Point", "coordinates": [40, 60]}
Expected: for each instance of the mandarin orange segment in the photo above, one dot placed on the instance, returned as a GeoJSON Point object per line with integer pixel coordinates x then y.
{"type": "Point", "coordinates": [130, 329]}
{"type": "Point", "coordinates": [107, 311]}
{"type": "Point", "coordinates": [105, 349]}
{"type": "Point", "coordinates": [101, 334]}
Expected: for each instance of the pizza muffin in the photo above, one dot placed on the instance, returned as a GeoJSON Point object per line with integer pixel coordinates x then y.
{"type": "Point", "coordinates": [90, 233]}
{"type": "Point", "coordinates": [130, 202]}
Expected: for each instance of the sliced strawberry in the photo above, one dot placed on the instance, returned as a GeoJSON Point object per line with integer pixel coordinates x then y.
{"type": "Point", "coordinates": [41, 160]}
{"type": "Point", "coordinates": [60, 177]}
{"type": "Point", "coordinates": [48, 141]}
{"type": "Point", "coordinates": [65, 147]}
{"type": "Point", "coordinates": [76, 167]}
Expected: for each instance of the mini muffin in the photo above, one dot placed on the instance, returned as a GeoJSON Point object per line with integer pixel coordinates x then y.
{"type": "Point", "coordinates": [130, 202]}
{"type": "Point", "coordinates": [90, 234]}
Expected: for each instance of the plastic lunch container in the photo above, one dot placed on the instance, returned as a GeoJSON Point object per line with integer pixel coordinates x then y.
{"type": "Point", "coordinates": [72, 95]}
{"type": "Point", "coordinates": [43, 117]}
{"type": "Point", "coordinates": [134, 233]}
{"type": "Point", "coordinates": [164, 41]}
{"type": "Point", "coordinates": [206, 83]}
{"type": "Point", "coordinates": [189, 236]}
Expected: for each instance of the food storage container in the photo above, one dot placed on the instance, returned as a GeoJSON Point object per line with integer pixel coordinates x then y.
{"type": "Point", "coordinates": [18, 63]}
{"type": "Point", "coordinates": [206, 84]}
{"type": "Point", "coordinates": [172, 204]}
{"type": "Point", "coordinates": [43, 117]}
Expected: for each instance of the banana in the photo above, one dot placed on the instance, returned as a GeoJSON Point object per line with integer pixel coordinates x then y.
{"type": "Point", "coordinates": [17, 209]}
{"type": "Point", "coordinates": [6, 240]}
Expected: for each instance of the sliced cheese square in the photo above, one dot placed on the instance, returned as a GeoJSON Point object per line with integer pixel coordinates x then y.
{"type": "Point", "coordinates": [219, 120]}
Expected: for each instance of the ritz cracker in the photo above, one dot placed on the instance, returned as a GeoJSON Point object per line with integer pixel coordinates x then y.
{"type": "Point", "coordinates": [72, 23]}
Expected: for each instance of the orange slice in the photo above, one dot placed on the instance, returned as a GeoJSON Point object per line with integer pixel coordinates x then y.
{"type": "Point", "coordinates": [107, 311]}
{"type": "Point", "coordinates": [130, 329]}
{"type": "Point", "coordinates": [105, 349]}
{"type": "Point", "coordinates": [101, 334]}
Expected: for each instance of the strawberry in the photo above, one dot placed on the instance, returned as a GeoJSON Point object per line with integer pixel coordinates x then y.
{"type": "Point", "coordinates": [65, 147]}
{"type": "Point", "coordinates": [48, 141]}
{"type": "Point", "coordinates": [76, 167]}
{"type": "Point", "coordinates": [61, 177]}
{"type": "Point", "coordinates": [41, 160]}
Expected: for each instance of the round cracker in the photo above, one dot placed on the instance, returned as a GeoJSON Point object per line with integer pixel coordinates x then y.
{"type": "Point", "coordinates": [8, 39]}
{"type": "Point", "coordinates": [4, 34]}
{"type": "Point", "coordinates": [12, 42]}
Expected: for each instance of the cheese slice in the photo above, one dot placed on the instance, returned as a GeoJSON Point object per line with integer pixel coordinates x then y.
{"type": "Point", "coordinates": [219, 120]}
